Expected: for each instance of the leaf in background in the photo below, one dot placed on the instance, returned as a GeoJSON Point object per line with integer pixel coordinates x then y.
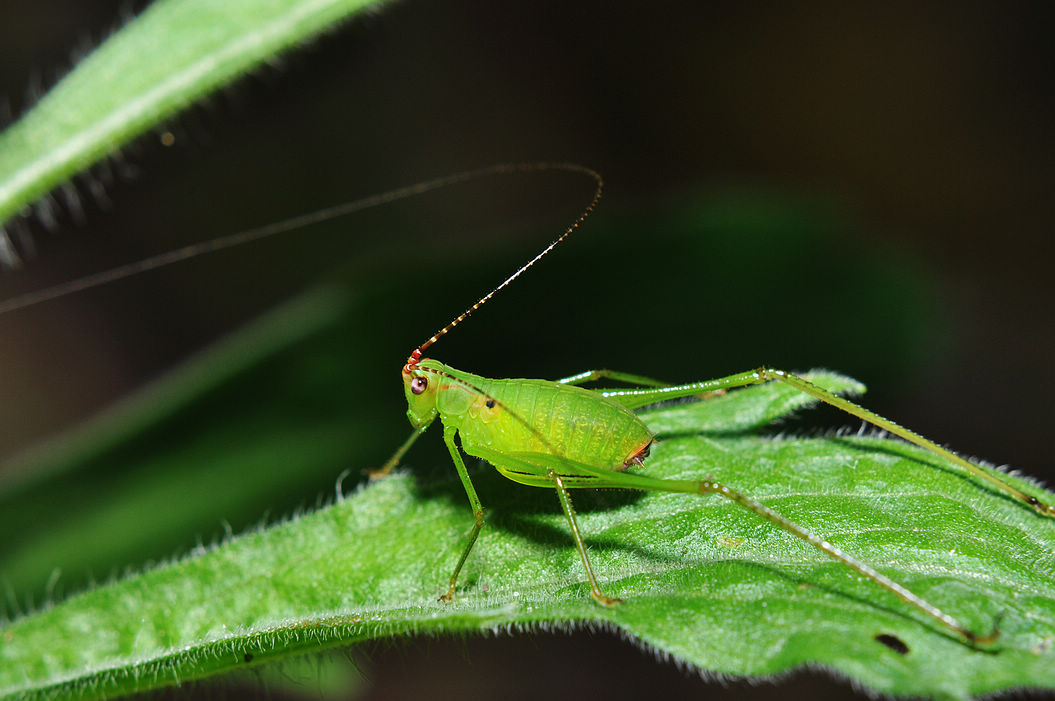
{"type": "Point", "coordinates": [114, 95]}
{"type": "Point", "coordinates": [245, 427]}
{"type": "Point", "coordinates": [703, 580]}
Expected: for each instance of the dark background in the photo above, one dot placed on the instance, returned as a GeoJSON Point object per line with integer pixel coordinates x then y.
{"type": "Point", "coordinates": [916, 137]}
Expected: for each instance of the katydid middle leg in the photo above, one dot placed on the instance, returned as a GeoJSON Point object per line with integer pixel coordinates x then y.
{"type": "Point", "coordinates": [470, 491]}
{"type": "Point", "coordinates": [630, 379]}
{"type": "Point", "coordinates": [582, 378]}
{"type": "Point", "coordinates": [633, 398]}
{"type": "Point", "coordinates": [478, 509]}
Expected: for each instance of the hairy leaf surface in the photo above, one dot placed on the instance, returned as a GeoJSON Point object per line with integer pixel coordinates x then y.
{"type": "Point", "coordinates": [702, 579]}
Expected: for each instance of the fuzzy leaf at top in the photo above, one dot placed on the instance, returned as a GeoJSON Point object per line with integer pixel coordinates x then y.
{"type": "Point", "coordinates": [172, 55]}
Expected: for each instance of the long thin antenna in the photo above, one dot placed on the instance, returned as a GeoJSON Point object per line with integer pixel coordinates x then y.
{"type": "Point", "coordinates": [415, 356]}
{"type": "Point", "coordinates": [242, 237]}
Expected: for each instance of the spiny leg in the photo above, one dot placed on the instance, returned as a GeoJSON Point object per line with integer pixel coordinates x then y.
{"type": "Point", "coordinates": [906, 434]}
{"type": "Point", "coordinates": [708, 486]}
{"type": "Point", "coordinates": [633, 398]}
{"type": "Point", "coordinates": [705, 487]}
{"type": "Point", "coordinates": [478, 510]}
{"type": "Point", "coordinates": [569, 511]}
{"type": "Point", "coordinates": [573, 474]}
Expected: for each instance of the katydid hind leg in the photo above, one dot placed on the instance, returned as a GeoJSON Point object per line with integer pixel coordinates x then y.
{"type": "Point", "coordinates": [865, 570]}
{"type": "Point", "coordinates": [583, 475]}
{"type": "Point", "coordinates": [706, 487]}
{"type": "Point", "coordinates": [633, 398]}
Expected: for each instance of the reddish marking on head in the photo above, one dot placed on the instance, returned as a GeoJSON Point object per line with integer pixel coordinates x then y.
{"type": "Point", "coordinates": [412, 361]}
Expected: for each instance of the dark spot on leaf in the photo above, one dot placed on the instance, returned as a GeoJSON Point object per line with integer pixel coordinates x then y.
{"type": "Point", "coordinates": [893, 642]}
{"type": "Point", "coordinates": [490, 404]}
{"type": "Point", "coordinates": [248, 657]}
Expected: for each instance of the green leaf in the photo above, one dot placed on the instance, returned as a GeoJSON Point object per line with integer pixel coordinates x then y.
{"type": "Point", "coordinates": [701, 579]}
{"type": "Point", "coordinates": [114, 95]}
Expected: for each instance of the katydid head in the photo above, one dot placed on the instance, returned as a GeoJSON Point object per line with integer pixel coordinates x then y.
{"type": "Point", "coordinates": [420, 385]}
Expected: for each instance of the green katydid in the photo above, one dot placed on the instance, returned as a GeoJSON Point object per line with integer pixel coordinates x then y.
{"type": "Point", "coordinates": [558, 434]}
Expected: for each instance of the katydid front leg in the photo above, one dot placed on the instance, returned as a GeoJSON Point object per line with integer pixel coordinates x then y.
{"type": "Point", "coordinates": [391, 463]}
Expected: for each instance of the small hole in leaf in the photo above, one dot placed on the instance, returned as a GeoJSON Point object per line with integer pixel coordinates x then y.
{"type": "Point", "coordinates": [893, 642]}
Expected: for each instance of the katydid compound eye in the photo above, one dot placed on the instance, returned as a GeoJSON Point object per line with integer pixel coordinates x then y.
{"type": "Point", "coordinates": [418, 385]}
